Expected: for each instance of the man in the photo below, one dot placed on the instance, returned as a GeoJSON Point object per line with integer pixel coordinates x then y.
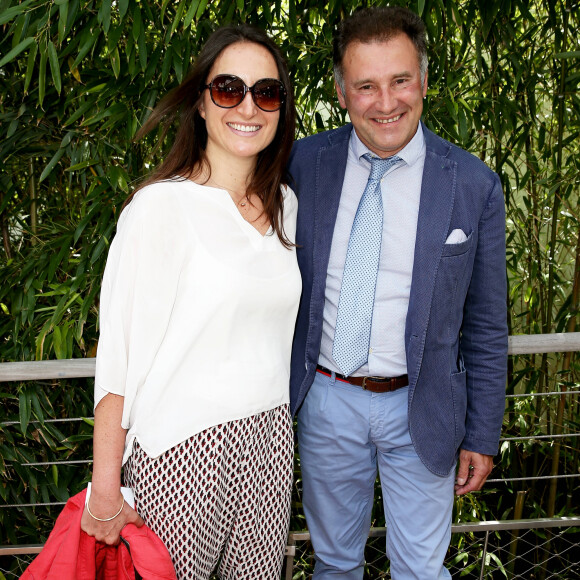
{"type": "Point", "coordinates": [424, 383]}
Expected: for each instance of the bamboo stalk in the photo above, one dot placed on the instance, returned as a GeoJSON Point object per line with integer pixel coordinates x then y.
{"type": "Point", "coordinates": [551, 508]}
{"type": "Point", "coordinates": [33, 205]}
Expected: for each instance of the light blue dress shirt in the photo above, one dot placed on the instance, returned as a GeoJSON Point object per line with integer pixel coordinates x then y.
{"type": "Point", "coordinates": [401, 191]}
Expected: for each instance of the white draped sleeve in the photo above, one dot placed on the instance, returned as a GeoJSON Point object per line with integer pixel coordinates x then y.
{"type": "Point", "coordinates": [138, 294]}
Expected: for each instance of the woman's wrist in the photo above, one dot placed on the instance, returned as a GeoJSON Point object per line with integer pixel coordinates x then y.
{"type": "Point", "coordinates": [108, 518]}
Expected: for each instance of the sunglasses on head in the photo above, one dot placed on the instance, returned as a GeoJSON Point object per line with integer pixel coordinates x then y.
{"type": "Point", "coordinates": [228, 91]}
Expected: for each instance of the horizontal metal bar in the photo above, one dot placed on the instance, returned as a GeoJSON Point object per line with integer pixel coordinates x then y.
{"type": "Point", "coordinates": [527, 437]}
{"type": "Point", "coordinates": [47, 463]}
{"type": "Point", "coordinates": [459, 528]}
{"type": "Point", "coordinates": [71, 368]}
{"type": "Point", "coordinates": [71, 420]}
{"type": "Point", "coordinates": [537, 523]}
{"type": "Point", "coordinates": [533, 477]}
{"type": "Point", "coordinates": [23, 549]}
{"type": "Point", "coordinates": [562, 476]}
{"type": "Point", "coordinates": [503, 439]}
{"type": "Point", "coordinates": [523, 395]}
{"type": "Point", "coordinates": [33, 505]}
{"type": "Point", "coordinates": [541, 343]}
{"type": "Point", "coordinates": [85, 367]}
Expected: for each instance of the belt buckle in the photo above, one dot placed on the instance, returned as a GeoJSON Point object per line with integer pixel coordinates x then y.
{"type": "Point", "coordinates": [372, 377]}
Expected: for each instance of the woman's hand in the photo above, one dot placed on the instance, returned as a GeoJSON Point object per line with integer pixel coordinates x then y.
{"type": "Point", "coordinates": [108, 532]}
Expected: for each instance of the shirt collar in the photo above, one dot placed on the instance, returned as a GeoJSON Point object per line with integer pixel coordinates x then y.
{"type": "Point", "coordinates": [410, 154]}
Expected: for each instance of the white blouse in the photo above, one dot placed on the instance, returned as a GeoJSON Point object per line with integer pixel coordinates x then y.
{"type": "Point", "coordinates": [197, 314]}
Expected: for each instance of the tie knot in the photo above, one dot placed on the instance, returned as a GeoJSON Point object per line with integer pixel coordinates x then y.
{"type": "Point", "coordinates": [380, 166]}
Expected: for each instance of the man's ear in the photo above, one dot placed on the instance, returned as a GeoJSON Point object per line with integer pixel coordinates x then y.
{"type": "Point", "coordinates": [425, 84]}
{"type": "Point", "coordinates": [340, 95]}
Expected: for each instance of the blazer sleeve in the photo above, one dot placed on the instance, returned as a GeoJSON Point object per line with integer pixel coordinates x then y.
{"type": "Point", "coordinates": [484, 333]}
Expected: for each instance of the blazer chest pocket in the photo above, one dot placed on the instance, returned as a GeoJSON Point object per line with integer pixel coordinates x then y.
{"type": "Point", "coordinates": [450, 250]}
{"type": "Point", "coordinates": [453, 275]}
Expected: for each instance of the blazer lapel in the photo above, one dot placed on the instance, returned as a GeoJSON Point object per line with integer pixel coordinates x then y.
{"type": "Point", "coordinates": [435, 210]}
{"type": "Point", "coordinates": [330, 170]}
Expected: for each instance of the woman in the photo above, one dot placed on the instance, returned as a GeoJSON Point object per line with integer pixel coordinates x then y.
{"type": "Point", "coordinates": [198, 306]}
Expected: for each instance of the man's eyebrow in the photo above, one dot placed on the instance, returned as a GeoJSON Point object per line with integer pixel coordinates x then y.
{"type": "Point", "coordinates": [361, 82]}
{"type": "Point", "coordinates": [403, 74]}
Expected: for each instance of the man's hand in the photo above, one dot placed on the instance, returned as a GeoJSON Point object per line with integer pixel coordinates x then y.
{"type": "Point", "coordinates": [473, 471]}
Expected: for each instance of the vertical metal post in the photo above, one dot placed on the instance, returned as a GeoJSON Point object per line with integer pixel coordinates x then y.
{"type": "Point", "coordinates": [484, 556]}
{"type": "Point", "coordinates": [289, 553]}
{"type": "Point", "coordinates": [518, 512]}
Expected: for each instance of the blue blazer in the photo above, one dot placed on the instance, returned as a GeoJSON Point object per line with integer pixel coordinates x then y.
{"type": "Point", "coordinates": [456, 330]}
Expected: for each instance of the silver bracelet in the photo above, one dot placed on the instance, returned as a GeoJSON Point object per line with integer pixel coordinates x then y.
{"type": "Point", "coordinates": [106, 519]}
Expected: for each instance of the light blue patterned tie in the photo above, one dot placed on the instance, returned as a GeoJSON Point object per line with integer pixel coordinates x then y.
{"type": "Point", "coordinates": [357, 293]}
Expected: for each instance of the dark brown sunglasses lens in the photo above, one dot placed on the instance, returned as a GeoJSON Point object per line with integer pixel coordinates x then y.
{"type": "Point", "coordinates": [269, 95]}
{"type": "Point", "coordinates": [227, 91]}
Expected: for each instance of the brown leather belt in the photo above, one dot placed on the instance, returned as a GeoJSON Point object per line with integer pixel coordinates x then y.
{"type": "Point", "coordinates": [373, 384]}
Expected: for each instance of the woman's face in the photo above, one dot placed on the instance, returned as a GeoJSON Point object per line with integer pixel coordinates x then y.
{"type": "Point", "coordinates": [244, 130]}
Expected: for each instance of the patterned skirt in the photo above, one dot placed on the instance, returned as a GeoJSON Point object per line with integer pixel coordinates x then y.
{"type": "Point", "coordinates": [221, 498]}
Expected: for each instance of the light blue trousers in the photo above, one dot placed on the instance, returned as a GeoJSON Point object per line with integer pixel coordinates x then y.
{"type": "Point", "coordinates": [344, 434]}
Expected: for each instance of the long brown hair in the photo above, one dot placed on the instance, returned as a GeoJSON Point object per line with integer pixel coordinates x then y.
{"type": "Point", "coordinates": [187, 155]}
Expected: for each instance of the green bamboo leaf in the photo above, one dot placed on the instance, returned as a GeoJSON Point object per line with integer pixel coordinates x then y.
{"type": "Point", "coordinates": [268, 14]}
{"type": "Point", "coordinates": [116, 62]}
{"type": "Point", "coordinates": [104, 15]}
{"type": "Point", "coordinates": [115, 109]}
{"type": "Point", "coordinates": [572, 54]}
{"type": "Point", "coordinates": [88, 302]}
{"type": "Point", "coordinates": [57, 343]}
{"type": "Point", "coordinates": [17, 28]}
{"type": "Point", "coordinates": [42, 76]}
{"type": "Point", "coordinates": [137, 23]}
{"type": "Point", "coordinates": [36, 405]}
{"type": "Point", "coordinates": [79, 112]}
{"type": "Point", "coordinates": [21, 46]}
{"type": "Point", "coordinates": [190, 14]}
{"type": "Point", "coordinates": [142, 51]}
{"type": "Point", "coordinates": [178, 64]}
{"type": "Point", "coordinates": [164, 5]}
{"type": "Point", "coordinates": [420, 7]}
{"type": "Point", "coordinates": [51, 165]}
{"type": "Point", "coordinates": [152, 65]}
{"type": "Point", "coordinates": [166, 66]}
{"type": "Point", "coordinates": [82, 165]}
{"type": "Point", "coordinates": [12, 128]}
{"type": "Point", "coordinates": [24, 409]}
{"type": "Point", "coordinates": [178, 16]}
{"type": "Point", "coordinates": [30, 66]}
{"type": "Point", "coordinates": [54, 67]}
{"type": "Point", "coordinates": [292, 13]}
{"type": "Point", "coordinates": [123, 7]}
{"type": "Point", "coordinates": [86, 46]}
{"type": "Point", "coordinates": [10, 13]}
{"type": "Point", "coordinates": [55, 475]}
{"type": "Point", "coordinates": [201, 8]}
{"type": "Point", "coordinates": [67, 139]}
{"type": "Point", "coordinates": [62, 18]}
{"type": "Point", "coordinates": [102, 243]}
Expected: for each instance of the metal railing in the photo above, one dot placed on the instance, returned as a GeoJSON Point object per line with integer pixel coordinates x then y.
{"type": "Point", "coordinates": [485, 550]}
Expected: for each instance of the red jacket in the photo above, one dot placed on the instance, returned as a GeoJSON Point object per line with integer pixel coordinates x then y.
{"type": "Point", "coordinates": [71, 554]}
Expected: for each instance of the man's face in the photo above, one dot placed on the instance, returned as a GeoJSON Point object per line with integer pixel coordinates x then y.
{"type": "Point", "coordinates": [383, 92]}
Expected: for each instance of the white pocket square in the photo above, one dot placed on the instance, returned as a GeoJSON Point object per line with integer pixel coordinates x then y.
{"type": "Point", "coordinates": [456, 237]}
